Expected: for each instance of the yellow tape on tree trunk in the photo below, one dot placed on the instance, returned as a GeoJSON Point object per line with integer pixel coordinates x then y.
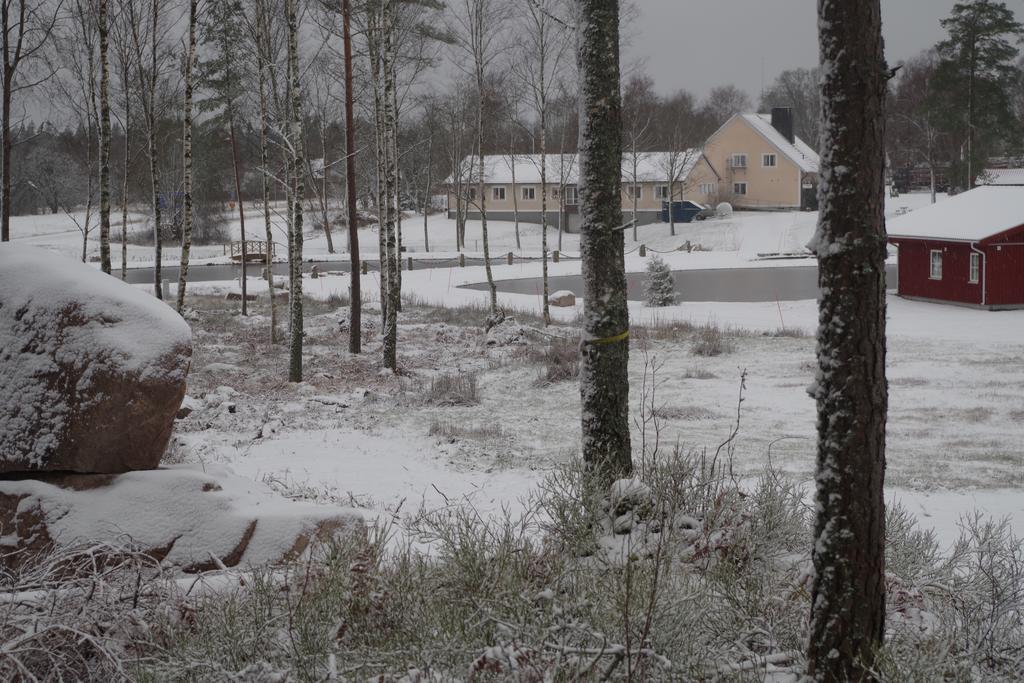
{"type": "Point", "coordinates": [610, 340]}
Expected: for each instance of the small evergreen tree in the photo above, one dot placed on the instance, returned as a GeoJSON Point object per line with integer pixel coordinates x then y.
{"type": "Point", "coordinates": [660, 286]}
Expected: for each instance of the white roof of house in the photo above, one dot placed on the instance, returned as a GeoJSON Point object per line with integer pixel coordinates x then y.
{"type": "Point", "coordinates": [968, 217]}
{"type": "Point", "coordinates": [799, 152]}
{"type": "Point", "coordinates": [1002, 176]}
{"type": "Point", "coordinates": [650, 167]}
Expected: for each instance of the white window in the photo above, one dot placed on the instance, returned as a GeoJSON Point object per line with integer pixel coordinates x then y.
{"type": "Point", "coordinates": [769, 160]}
{"type": "Point", "coordinates": [529, 193]}
{"type": "Point", "coordinates": [936, 264]}
{"type": "Point", "coordinates": [571, 195]}
{"type": "Point", "coordinates": [707, 188]}
{"type": "Point", "coordinates": [975, 268]}
{"type": "Point", "coordinates": [661, 192]}
{"type": "Point", "coordinates": [739, 188]}
{"type": "Point", "coordinates": [472, 193]}
{"type": "Point", "coordinates": [498, 193]}
{"type": "Point", "coordinates": [738, 161]}
{"type": "Point", "coordinates": [635, 191]}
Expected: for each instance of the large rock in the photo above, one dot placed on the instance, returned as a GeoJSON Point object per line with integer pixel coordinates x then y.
{"type": "Point", "coordinates": [190, 517]}
{"type": "Point", "coordinates": [92, 370]}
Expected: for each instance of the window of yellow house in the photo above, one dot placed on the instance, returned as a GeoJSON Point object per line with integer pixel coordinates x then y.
{"type": "Point", "coordinates": [739, 188]}
{"type": "Point", "coordinates": [707, 188]}
{"type": "Point", "coordinates": [661, 192]}
{"type": "Point", "coordinates": [571, 195]}
{"type": "Point", "coordinates": [635, 191]}
{"type": "Point", "coordinates": [498, 193]}
{"type": "Point", "coordinates": [738, 161]}
{"type": "Point", "coordinates": [769, 160]}
{"type": "Point", "coordinates": [529, 193]}
{"type": "Point", "coordinates": [472, 193]}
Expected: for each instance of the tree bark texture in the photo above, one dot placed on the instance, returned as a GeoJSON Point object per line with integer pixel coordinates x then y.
{"type": "Point", "coordinates": [604, 382]}
{"type": "Point", "coordinates": [104, 138]}
{"type": "Point", "coordinates": [186, 146]}
{"type": "Point", "coordinates": [355, 294]}
{"type": "Point", "coordinates": [295, 254]}
{"type": "Point", "coordinates": [848, 593]}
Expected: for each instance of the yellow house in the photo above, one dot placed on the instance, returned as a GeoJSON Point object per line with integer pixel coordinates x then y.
{"type": "Point", "coordinates": [762, 164]}
{"type": "Point", "coordinates": [513, 186]}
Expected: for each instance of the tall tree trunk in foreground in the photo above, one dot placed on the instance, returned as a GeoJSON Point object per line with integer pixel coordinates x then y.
{"type": "Point", "coordinates": [604, 381]}
{"type": "Point", "coordinates": [104, 139]}
{"type": "Point", "coordinates": [295, 255]}
{"type": "Point", "coordinates": [241, 209]}
{"type": "Point", "coordinates": [848, 594]}
{"type": "Point", "coordinates": [186, 145]}
{"type": "Point", "coordinates": [355, 295]}
{"type": "Point", "coordinates": [124, 187]}
{"type": "Point", "coordinates": [154, 168]}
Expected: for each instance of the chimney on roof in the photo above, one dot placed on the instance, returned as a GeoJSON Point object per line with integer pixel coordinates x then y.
{"type": "Point", "coordinates": [782, 121]}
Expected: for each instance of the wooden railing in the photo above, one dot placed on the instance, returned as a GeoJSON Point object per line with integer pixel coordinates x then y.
{"type": "Point", "coordinates": [255, 250]}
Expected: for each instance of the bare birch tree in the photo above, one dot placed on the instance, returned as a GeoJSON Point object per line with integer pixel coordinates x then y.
{"type": "Point", "coordinates": [848, 590]}
{"type": "Point", "coordinates": [355, 291]}
{"type": "Point", "coordinates": [104, 31]}
{"type": "Point", "coordinates": [604, 349]}
{"type": "Point", "coordinates": [295, 252]}
{"type": "Point", "coordinates": [539, 65]}
{"type": "Point", "coordinates": [479, 25]}
{"type": "Point", "coordinates": [186, 231]}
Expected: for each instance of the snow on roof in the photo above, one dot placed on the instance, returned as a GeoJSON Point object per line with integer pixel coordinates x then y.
{"type": "Point", "coordinates": [1002, 176]}
{"type": "Point", "coordinates": [799, 152]}
{"type": "Point", "coordinates": [650, 167]}
{"type": "Point", "coordinates": [968, 217]}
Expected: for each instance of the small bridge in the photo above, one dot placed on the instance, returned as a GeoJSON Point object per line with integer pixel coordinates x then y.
{"type": "Point", "coordinates": [255, 251]}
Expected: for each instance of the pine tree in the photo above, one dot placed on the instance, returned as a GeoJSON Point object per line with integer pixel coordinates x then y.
{"type": "Point", "coordinates": [660, 286]}
{"type": "Point", "coordinates": [222, 76]}
{"type": "Point", "coordinates": [604, 378]}
{"type": "Point", "coordinates": [848, 589]}
{"type": "Point", "coordinates": [974, 78]}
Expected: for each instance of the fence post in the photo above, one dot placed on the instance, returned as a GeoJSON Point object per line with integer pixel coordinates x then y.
{"type": "Point", "coordinates": [410, 263]}
{"type": "Point", "coordinates": [510, 257]}
{"type": "Point", "coordinates": [555, 256]}
{"type": "Point", "coordinates": [462, 260]}
{"type": "Point", "coordinates": [365, 269]}
{"type": "Point", "coordinates": [643, 250]}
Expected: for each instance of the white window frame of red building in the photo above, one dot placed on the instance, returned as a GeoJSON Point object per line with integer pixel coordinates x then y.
{"type": "Point", "coordinates": [739, 189]}
{"type": "Point", "coordinates": [933, 272]}
{"type": "Point", "coordinates": [974, 269]}
{"type": "Point", "coordinates": [498, 193]}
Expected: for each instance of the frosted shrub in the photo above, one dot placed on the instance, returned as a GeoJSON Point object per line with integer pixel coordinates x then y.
{"type": "Point", "coordinates": [453, 390]}
{"type": "Point", "coordinates": [660, 287]}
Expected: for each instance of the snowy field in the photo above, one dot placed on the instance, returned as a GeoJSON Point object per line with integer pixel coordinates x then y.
{"type": "Point", "coordinates": [956, 422]}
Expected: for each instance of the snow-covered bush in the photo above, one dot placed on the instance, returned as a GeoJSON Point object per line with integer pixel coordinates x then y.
{"type": "Point", "coordinates": [457, 389]}
{"type": "Point", "coordinates": [660, 286]}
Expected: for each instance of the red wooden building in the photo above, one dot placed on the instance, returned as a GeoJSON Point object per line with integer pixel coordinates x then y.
{"type": "Point", "coordinates": [967, 250]}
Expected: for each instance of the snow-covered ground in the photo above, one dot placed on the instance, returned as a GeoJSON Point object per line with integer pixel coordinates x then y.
{"type": "Point", "coordinates": [956, 426]}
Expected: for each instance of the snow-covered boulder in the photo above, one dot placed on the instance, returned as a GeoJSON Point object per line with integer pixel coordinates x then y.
{"type": "Point", "coordinates": [563, 298]}
{"type": "Point", "coordinates": [92, 370]}
{"type": "Point", "coordinates": [191, 517]}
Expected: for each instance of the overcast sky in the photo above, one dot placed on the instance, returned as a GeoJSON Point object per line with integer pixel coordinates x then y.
{"type": "Point", "coordinates": [698, 44]}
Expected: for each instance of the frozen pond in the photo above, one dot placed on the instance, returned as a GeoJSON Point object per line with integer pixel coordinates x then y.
{"type": "Point", "coordinates": [783, 283]}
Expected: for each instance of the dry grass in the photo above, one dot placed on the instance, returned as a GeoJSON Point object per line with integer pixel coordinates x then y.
{"type": "Point", "coordinates": [480, 432]}
{"type": "Point", "coordinates": [710, 341]}
{"type": "Point", "coordinates": [560, 360]}
{"type": "Point", "coordinates": [459, 389]}
{"type": "Point", "coordinates": [699, 373]}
